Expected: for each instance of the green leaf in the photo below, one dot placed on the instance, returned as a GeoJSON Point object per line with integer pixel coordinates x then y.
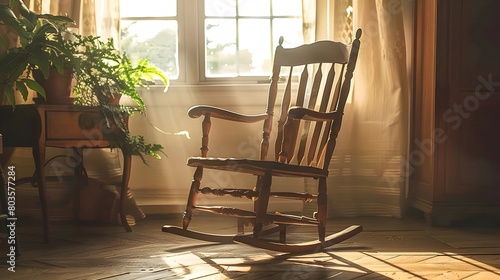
{"type": "Point", "coordinates": [10, 61]}
{"type": "Point", "coordinates": [34, 86]}
{"type": "Point", "coordinates": [51, 17]}
{"type": "Point", "coordinates": [42, 60]}
{"type": "Point", "coordinates": [9, 92]}
{"type": "Point", "coordinates": [8, 17]}
{"type": "Point", "coordinates": [29, 26]}
{"type": "Point", "coordinates": [42, 32]}
{"type": "Point", "coordinates": [59, 62]}
{"type": "Point", "coordinates": [58, 46]}
{"type": "Point", "coordinates": [25, 12]}
{"type": "Point", "coordinates": [21, 87]}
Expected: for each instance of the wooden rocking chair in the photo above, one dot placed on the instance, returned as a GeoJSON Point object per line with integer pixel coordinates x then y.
{"type": "Point", "coordinates": [305, 141]}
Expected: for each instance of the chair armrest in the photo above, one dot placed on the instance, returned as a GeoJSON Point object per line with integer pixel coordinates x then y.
{"type": "Point", "coordinates": [311, 115]}
{"type": "Point", "coordinates": [200, 110]}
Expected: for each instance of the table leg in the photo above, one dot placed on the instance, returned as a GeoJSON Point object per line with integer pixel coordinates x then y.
{"type": "Point", "coordinates": [127, 164]}
{"type": "Point", "coordinates": [39, 157]}
{"type": "Point", "coordinates": [79, 179]}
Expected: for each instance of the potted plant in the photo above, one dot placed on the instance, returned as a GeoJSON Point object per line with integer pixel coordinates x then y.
{"type": "Point", "coordinates": [41, 48]}
{"type": "Point", "coordinates": [103, 75]}
{"type": "Point", "coordinates": [101, 72]}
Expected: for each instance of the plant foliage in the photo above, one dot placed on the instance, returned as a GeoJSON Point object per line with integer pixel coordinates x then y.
{"type": "Point", "coordinates": [101, 71]}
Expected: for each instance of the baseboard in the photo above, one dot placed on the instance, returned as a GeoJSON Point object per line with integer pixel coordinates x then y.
{"type": "Point", "coordinates": [449, 212]}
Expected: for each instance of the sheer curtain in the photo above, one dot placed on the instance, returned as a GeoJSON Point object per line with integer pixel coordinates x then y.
{"type": "Point", "coordinates": [368, 166]}
{"type": "Point", "coordinates": [93, 17]}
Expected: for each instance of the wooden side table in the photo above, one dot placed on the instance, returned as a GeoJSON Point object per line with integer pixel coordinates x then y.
{"type": "Point", "coordinates": [77, 127]}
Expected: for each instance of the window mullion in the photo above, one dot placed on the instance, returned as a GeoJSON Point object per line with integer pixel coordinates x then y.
{"type": "Point", "coordinates": [202, 56]}
{"type": "Point", "coordinates": [191, 40]}
{"type": "Point", "coordinates": [271, 34]}
{"type": "Point", "coordinates": [238, 38]}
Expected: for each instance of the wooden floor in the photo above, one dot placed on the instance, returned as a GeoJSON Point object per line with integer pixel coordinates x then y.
{"type": "Point", "coordinates": [388, 248]}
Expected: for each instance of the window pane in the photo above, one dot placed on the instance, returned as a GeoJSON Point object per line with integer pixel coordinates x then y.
{"type": "Point", "coordinates": [155, 40]}
{"type": "Point", "coordinates": [254, 8]}
{"type": "Point", "coordinates": [290, 29]}
{"type": "Point", "coordinates": [148, 8]}
{"type": "Point", "coordinates": [254, 47]}
{"type": "Point", "coordinates": [220, 47]}
{"type": "Point", "coordinates": [220, 8]}
{"type": "Point", "coordinates": [287, 8]}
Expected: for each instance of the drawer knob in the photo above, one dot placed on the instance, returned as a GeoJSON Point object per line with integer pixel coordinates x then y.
{"type": "Point", "coordinates": [86, 121]}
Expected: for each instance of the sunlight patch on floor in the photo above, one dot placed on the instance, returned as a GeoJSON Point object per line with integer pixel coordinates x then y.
{"type": "Point", "coordinates": [189, 264]}
{"type": "Point", "coordinates": [396, 265]}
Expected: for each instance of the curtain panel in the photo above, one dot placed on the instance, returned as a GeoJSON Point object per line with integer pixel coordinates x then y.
{"type": "Point", "coordinates": [93, 17]}
{"type": "Point", "coordinates": [368, 167]}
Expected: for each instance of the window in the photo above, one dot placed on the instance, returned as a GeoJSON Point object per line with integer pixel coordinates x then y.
{"type": "Point", "coordinates": [212, 40]}
{"type": "Point", "coordinates": [149, 29]}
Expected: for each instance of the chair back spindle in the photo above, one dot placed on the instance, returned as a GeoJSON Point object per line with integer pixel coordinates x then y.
{"type": "Point", "coordinates": [309, 143]}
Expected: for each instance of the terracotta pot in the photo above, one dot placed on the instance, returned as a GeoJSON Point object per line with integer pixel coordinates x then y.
{"type": "Point", "coordinates": [58, 87]}
{"type": "Point", "coordinates": [116, 99]}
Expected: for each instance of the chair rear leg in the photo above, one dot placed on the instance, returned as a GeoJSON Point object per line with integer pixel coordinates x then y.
{"type": "Point", "coordinates": [193, 196]}
{"type": "Point", "coordinates": [322, 205]}
{"type": "Point", "coordinates": [283, 235]}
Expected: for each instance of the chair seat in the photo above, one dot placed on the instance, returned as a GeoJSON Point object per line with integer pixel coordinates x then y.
{"type": "Point", "coordinates": [257, 167]}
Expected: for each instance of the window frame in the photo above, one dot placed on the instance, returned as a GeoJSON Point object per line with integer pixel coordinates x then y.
{"type": "Point", "coordinates": [243, 79]}
{"type": "Point", "coordinates": [179, 31]}
{"type": "Point", "coordinates": [191, 60]}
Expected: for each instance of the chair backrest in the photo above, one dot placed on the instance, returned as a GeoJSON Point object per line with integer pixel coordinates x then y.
{"type": "Point", "coordinates": [311, 143]}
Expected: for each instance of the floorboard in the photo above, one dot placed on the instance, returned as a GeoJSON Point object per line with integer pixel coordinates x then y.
{"type": "Point", "coordinates": [388, 248]}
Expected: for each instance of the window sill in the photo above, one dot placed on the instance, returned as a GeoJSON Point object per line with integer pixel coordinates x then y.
{"type": "Point", "coordinates": [209, 94]}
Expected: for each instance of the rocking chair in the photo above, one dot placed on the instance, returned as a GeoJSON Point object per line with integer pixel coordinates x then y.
{"type": "Point", "coordinates": [305, 141]}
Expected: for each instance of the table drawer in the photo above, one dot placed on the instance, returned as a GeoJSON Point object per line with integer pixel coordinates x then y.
{"type": "Point", "coordinates": [67, 125]}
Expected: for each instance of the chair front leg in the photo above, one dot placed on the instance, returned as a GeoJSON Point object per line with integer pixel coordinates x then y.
{"type": "Point", "coordinates": [256, 189]}
{"type": "Point", "coordinates": [193, 196]}
{"type": "Point", "coordinates": [198, 174]}
{"type": "Point", "coordinates": [262, 203]}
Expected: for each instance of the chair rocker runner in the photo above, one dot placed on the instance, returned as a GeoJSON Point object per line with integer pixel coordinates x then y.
{"type": "Point", "coordinates": [307, 130]}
